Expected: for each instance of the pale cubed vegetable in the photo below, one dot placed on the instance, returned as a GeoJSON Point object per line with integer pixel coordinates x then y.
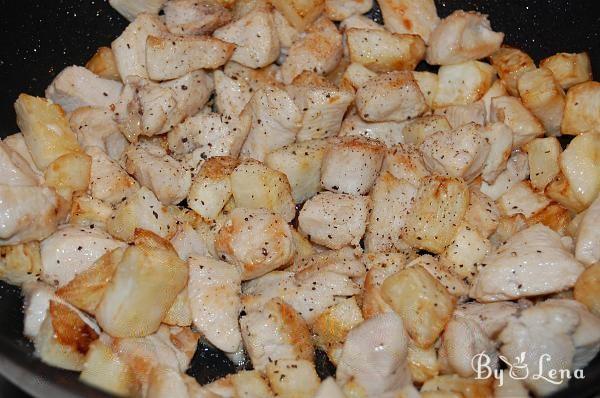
{"type": "Point", "coordinates": [351, 165]}
{"type": "Point", "coordinates": [299, 13]}
{"type": "Point", "coordinates": [20, 263]}
{"type": "Point", "coordinates": [254, 185]}
{"type": "Point", "coordinates": [103, 64]}
{"type": "Point", "coordinates": [522, 199]}
{"type": "Point", "coordinates": [392, 199]}
{"type": "Point", "coordinates": [383, 51]}
{"type": "Point", "coordinates": [256, 240]}
{"type": "Point", "coordinates": [422, 302]}
{"type": "Point", "coordinates": [86, 290]}
{"type": "Point", "coordinates": [587, 289]}
{"type": "Point", "coordinates": [334, 220]}
{"type": "Point", "coordinates": [511, 63]}
{"type": "Point", "coordinates": [142, 210]}
{"type": "Point", "coordinates": [172, 57]}
{"type": "Point", "coordinates": [393, 96]}
{"type": "Point", "coordinates": [144, 287]}
{"type": "Point", "coordinates": [45, 128]}
{"type": "Point", "coordinates": [512, 112]}
{"type": "Point", "coordinates": [301, 163]}
{"type": "Point", "coordinates": [569, 69]}
{"type": "Point", "coordinates": [462, 84]}
{"type": "Point", "coordinates": [104, 370]}
{"type": "Point", "coordinates": [582, 109]}
{"type": "Point", "coordinates": [466, 251]}
{"type": "Point", "coordinates": [543, 155]}
{"type": "Point", "coordinates": [543, 96]}
{"type": "Point", "coordinates": [69, 174]}
{"type": "Point", "coordinates": [211, 187]}
{"type": "Point", "coordinates": [579, 164]}
{"type": "Point", "coordinates": [434, 220]}
{"type": "Point", "coordinates": [415, 131]}
{"type": "Point", "coordinates": [295, 378]}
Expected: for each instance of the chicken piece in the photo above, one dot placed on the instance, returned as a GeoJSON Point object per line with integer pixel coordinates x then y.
{"type": "Point", "coordinates": [500, 139]}
{"type": "Point", "coordinates": [276, 121]}
{"type": "Point", "coordinates": [287, 34]}
{"type": "Point", "coordinates": [300, 13]}
{"type": "Point", "coordinates": [293, 378]}
{"type": "Point", "coordinates": [517, 170]}
{"type": "Point", "coordinates": [462, 36]}
{"type": "Point", "coordinates": [109, 182]}
{"type": "Point", "coordinates": [356, 75]}
{"type": "Point", "coordinates": [76, 86]}
{"type": "Point", "coordinates": [579, 165]}
{"type": "Point", "coordinates": [166, 382]}
{"type": "Point", "coordinates": [192, 17]}
{"type": "Point", "coordinates": [249, 51]}
{"type": "Point", "coordinates": [383, 51]}
{"type": "Point", "coordinates": [511, 64]}
{"type": "Point", "coordinates": [434, 219]}
{"type": "Point", "coordinates": [543, 155]}
{"type": "Point", "coordinates": [522, 199]}
{"type": "Point", "coordinates": [103, 64]}
{"type": "Point", "coordinates": [143, 288]}
{"type": "Point", "coordinates": [28, 213]}
{"type": "Point", "coordinates": [257, 79]}
{"type": "Point", "coordinates": [170, 57]}
{"type": "Point", "coordinates": [444, 271]}
{"type": "Point", "coordinates": [389, 133]}
{"type": "Point", "coordinates": [351, 165]}
{"type": "Point", "coordinates": [464, 83]}
{"type": "Point", "coordinates": [72, 250]}
{"type": "Point", "coordinates": [275, 332]}
{"type": "Point", "coordinates": [323, 107]}
{"type": "Point", "coordinates": [130, 48]}
{"type": "Point", "coordinates": [392, 199]}
{"type": "Point", "coordinates": [409, 16]}
{"type": "Point", "coordinates": [343, 261]}
{"type": "Point", "coordinates": [511, 111]}
{"type": "Point", "coordinates": [232, 95]}
{"type": "Point", "coordinates": [211, 187]}
{"type": "Point", "coordinates": [15, 170]}
{"type": "Point", "coordinates": [255, 186]}
{"type": "Point", "coordinates": [257, 241]}
{"type": "Point", "coordinates": [405, 162]}
{"type": "Point", "coordinates": [373, 303]}
{"type": "Point", "coordinates": [96, 127]}
{"type": "Point", "coordinates": [543, 96]}
{"type": "Point", "coordinates": [457, 153]}
{"type": "Point", "coordinates": [214, 291]}
{"type": "Point", "coordinates": [187, 242]}
{"type": "Point", "coordinates": [581, 108]}
{"type": "Point", "coordinates": [532, 262]}
{"type": "Point", "coordinates": [16, 143]}
{"type": "Point", "coordinates": [20, 264]}
{"type": "Point", "coordinates": [154, 169]}
{"type": "Point", "coordinates": [467, 250]}
{"type": "Point", "coordinates": [415, 131]}
{"type": "Point", "coordinates": [301, 163]}
{"type": "Point", "coordinates": [319, 51]}
{"type": "Point", "coordinates": [374, 357]}
{"type": "Point", "coordinates": [141, 210]}
{"type": "Point", "coordinates": [482, 213]}
{"type": "Point", "coordinates": [393, 96]}
{"type": "Point", "coordinates": [459, 115]}
{"type": "Point", "coordinates": [359, 22]}
{"type": "Point", "coordinates": [454, 386]}
{"type": "Point", "coordinates": [338, 10]}
{"type": "Point", "coordinates": [171, 348]}
{"type": "Point", "coordinates": [587, 248]}
{"type": "Point", "coordinates": [329, 389]}
{"type": "Point", "coordinates": [498, 89]}
{"type": "Point", "coordinates": [569, 69]}
{"type": "Point", "coordinates": [541, 334]}
{"type": "Point", "coordinates": [208, 135]}
{"type": "Point", "coordinates": [334, 220]}
{"type": "Point", "coordinates": [37, 296]}
{"type": "Point", "coordinates": [132, 8]}
{"type": "Point", "coordinates": [191, 91]}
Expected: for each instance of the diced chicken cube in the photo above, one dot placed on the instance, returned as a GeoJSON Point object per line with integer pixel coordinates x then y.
{"type": "Point", "coordinates": [511, 64]}
{"type": "Point", "coordinates": [410, 16]}
{"type": "Point", "coordinates": [211, 187]}
{"type": "Point", "coordinates": [517, 170]}
{"type": "Point", "coordinates": [389, 133]}
{"type": "Point", "coordinates": [192, 17]}
{"type": "Point", "coordinates": [482, 213]}
{"type": "Point", "coordinates": [96, 127]}
{"type": "Point", "coordinates": [463, 83]}
{"type": "Point", "coordinates": [587, 248]}
{"type": "Point", "coordinates": [500, 138]}
{"type": "Point", "coordinates": [232, 95]}
{"type": "Point", "coordinates": [460, 37]}
{"type": "Point", "coordinates": [522, 199]}
{"type": "Point", "coordinates": [542, 95]}
{"type": "Point", "coordinates": [334, 220]}
{"type": "Point", "coordinates": [459, 115]}
{"type": "Point", "coordinates": [579, 164]}
{"type": "Point", "coordinates": [293, 378]}
{"type": "Point", "coordinates": [543, 155]}
{"type": "Point", "coordinates": [108, 181]}
{"type": "Point", "coordinates": [257, 241]}
{"type": "Point", "coordinates": [511, 111]}
{"type": "Point", "coordinates": [393, 96]}
{"type": "Point", "coordinates": [581, 108]}
{"type": "Point", "coordinates": [569, 69]}
{"type": "Point", "coordinates": [405, 162]}
{"type": "Point", "coordinates": [467, 250]}
{"type": "Point", "coordinates": [532, 262]}
{"type": "Point", "coordinates": [132, 8]}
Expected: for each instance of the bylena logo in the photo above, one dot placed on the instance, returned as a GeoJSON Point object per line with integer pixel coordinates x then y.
{"type": "Point", "coordinates": [520, 370]}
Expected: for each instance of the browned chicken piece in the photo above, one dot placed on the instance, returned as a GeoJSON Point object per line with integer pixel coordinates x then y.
{"type": "Point", "coordinates": [410, 16]}
{"type": "Point", "coordinates": [193, 17]}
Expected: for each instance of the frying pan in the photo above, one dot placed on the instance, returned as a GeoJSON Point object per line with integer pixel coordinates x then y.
{"type": "Point", "coordinates": [40, 38]}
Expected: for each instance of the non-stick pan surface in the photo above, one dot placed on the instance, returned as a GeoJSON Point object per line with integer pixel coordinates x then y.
{"type": "Point", "coordinates": [40, 38]}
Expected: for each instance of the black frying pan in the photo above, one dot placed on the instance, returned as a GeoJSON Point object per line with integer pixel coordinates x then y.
{"type": "Point", "coordinates": [40, 38]}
